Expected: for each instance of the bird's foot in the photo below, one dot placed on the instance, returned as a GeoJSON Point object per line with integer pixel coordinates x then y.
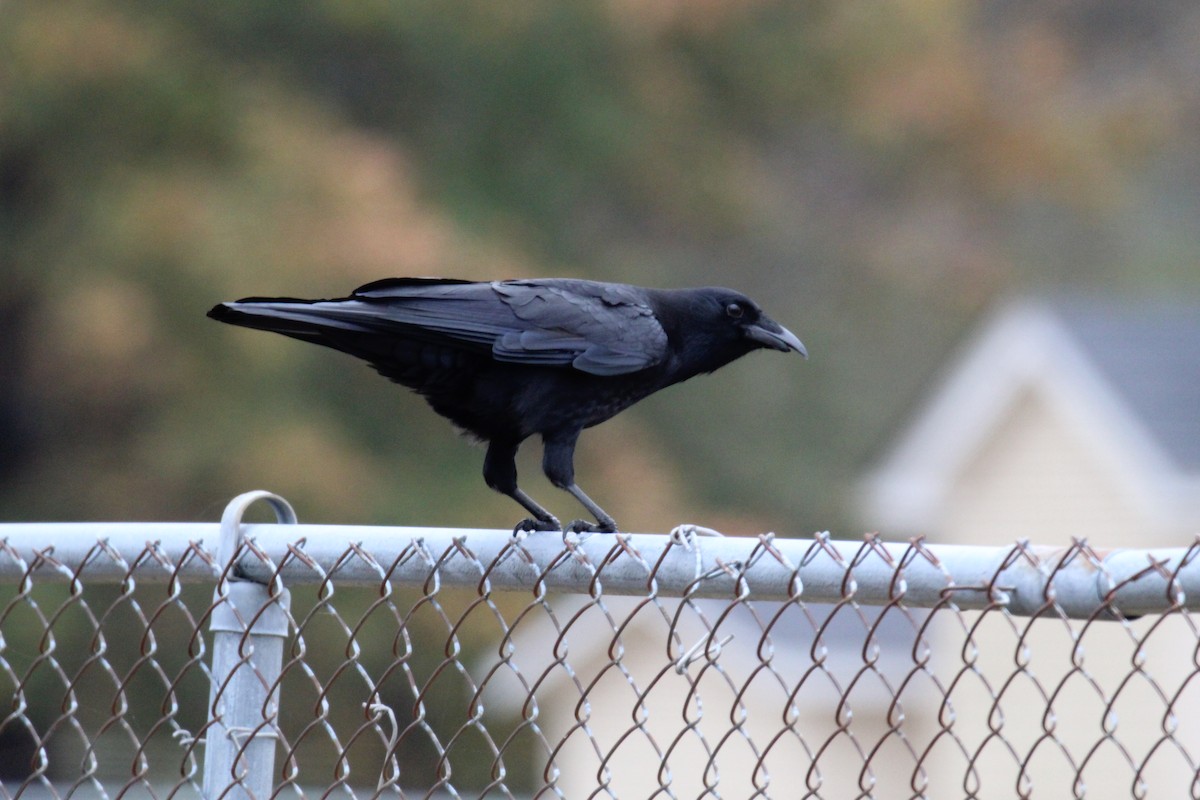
{"type": "Point", "coordinates": [583, 526]}
{"type": "Point", "coordinates": [529, 525]}
{"type": "Point", "coordinates": [580, 530]}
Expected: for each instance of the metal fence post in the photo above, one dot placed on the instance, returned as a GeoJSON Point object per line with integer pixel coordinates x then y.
{"type": "Point", "coordinates": [249, 625]}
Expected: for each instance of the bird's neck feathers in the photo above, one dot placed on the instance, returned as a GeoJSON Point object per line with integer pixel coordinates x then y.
{"type": "Point", "coordinates": [704, 354]}
{"type": "Point", "coordinates": [700, 338]}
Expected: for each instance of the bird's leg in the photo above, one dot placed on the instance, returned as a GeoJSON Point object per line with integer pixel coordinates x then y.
{"type": "Point", "coordinates": [542, 519]}
{"type": "Point", "coordinates": [500, 472]}
{"type": "Point", "coordinates": [558, 462]}
{"type": "Point", "coordinates": [603, 524]}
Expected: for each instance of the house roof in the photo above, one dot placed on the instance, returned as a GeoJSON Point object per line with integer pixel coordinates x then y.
{"type": "Point", "coordinates": [1149, 355]}
{"type": "Point", "coordinates": [1125, 377]}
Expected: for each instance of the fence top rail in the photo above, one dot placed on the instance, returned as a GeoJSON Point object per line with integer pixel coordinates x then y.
{"type": "Point", "coordinates": [1074, 581]}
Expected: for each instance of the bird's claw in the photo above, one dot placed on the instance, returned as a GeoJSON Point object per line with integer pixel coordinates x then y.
{"type": "Point", "coordinates": [529, 525]}
{"type": "Point", "coordinates": [583, 526]}
{"type": "Point", "coordinates": [580, 530]}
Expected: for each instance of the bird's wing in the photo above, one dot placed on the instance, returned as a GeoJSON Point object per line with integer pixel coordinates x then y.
{"type": "Point", "coordinates": [598, 328]}
{"type": "Point", "coordinates": [465, 311]}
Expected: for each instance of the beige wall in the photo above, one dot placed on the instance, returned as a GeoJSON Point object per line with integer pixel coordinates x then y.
{"type": "Point", "coordinates": [1036, 478]}
{"type": "Point", "coordinates": [763, 729]}
{"type": "Point", "coordinates": [1070, 702]}
{"type": "Point", "coordinates": [743, 716]}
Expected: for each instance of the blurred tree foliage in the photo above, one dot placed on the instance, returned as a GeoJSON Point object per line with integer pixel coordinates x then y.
{"type": "Point", "coordinates": [875, 173]}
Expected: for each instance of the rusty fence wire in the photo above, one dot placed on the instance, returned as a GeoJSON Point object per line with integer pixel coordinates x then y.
{"type": "Point", "coordinates": [275, 659]}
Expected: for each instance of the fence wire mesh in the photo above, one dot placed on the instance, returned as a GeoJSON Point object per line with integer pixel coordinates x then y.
{"type": "Point", "coordinates": [419, 673]}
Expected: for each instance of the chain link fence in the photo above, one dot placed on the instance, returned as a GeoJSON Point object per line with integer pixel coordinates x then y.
{"type": "Point", "coordinates": [260, 660]}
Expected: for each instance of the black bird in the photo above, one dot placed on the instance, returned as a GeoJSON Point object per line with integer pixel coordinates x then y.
{"type": "Point", "coordinates": [504, 360]}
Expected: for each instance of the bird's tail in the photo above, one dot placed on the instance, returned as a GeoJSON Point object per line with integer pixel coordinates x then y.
{"type": "Point", "coordinates": [353, 325]}
{"type": "Point", "coordinates": [344, 325]}
{"type": "Point", "coordinates": [303, 319]}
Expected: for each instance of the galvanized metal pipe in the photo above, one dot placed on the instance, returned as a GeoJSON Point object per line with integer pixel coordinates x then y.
{"type": "Point", "coordinates": [249, 625]}
{"type": "Point", "coordinates": [1024, 579]}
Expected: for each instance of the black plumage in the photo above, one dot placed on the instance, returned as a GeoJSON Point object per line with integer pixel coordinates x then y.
{"type": "Point", "coordinates": [505, 360]}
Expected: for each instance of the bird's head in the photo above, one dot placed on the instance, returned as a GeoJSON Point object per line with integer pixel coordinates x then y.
{"type": "Point", "coordinates": [757, 327]}
{"type": "Point", "coordinates": [722, 325]}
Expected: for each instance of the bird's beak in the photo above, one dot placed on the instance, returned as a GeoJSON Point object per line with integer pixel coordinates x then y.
{"type": "Point", "coordinates": [770, 333]}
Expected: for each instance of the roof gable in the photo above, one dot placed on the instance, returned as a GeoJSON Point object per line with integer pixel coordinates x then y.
{"type": "Point", "coordinates": [1126, 380]}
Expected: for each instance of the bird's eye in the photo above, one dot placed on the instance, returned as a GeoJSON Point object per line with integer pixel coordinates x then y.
{"type": "Point", "coordinates": [734, 310]}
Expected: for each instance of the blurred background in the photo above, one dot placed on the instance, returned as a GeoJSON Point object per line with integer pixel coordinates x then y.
{"type": "Point", "coordinates": [877, 175]}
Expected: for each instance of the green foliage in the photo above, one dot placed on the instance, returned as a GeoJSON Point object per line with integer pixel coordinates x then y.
{"type": "Point", "coordinates": [874, 174]}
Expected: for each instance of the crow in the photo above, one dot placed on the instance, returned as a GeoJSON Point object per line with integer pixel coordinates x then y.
{"type": "Point", "coordinates": [504, 360]}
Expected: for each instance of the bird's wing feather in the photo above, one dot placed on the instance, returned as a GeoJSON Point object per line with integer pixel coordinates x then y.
{"type": "Point", "coordinates": [602, 329]}
{"type": "Point", "coordinates": [599, 328]}
{"type": "Point", "coordinates": [461, 310]}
